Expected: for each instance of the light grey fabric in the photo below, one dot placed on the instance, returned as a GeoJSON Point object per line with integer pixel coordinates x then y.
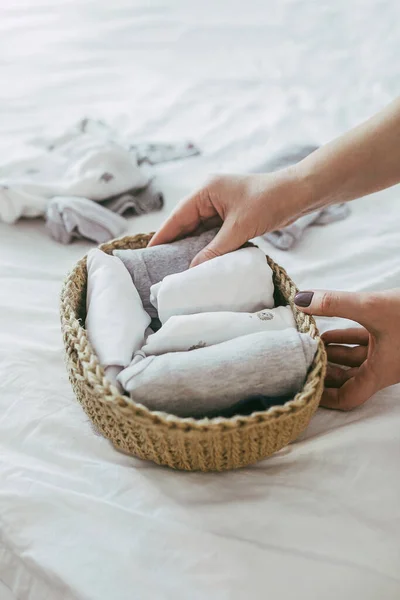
{"type": "Point", "coordinates": [206, 380]}
{"type": "Point", "coordinates": [148, 266]}
{"type": "Point", "coordinates": [136, 202]}
{"type": "Point", "coordinates": [286, 238]}
{"type": "Point", "coordinates": [69, 218]}
{"type": "Point", "coordinates": [337, 212]}
{"type": "Point", "coordinates": [285, 158]}
{"type": "Point", "coordinates": [156, 153]}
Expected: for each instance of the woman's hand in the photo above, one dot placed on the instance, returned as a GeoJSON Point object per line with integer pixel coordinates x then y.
{"type": "Point", "coordinates": [245, 205]}
{"type": "Point", "coordinates": [371, 352]}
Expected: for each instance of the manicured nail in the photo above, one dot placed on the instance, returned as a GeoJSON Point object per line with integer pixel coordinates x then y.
{"type": "Point", "coordinates": [303, 299]}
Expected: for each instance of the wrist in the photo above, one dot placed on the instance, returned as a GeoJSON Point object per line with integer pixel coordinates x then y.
{"type": "Point", "coordinates": [295, 195]}
{"type": "Point", "coordinates": [319, 181]}
{"type": "Point", "coordinates": [303, 196]}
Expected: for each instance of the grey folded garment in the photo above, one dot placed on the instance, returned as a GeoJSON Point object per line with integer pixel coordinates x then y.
{"type": "Point", "coordinates": [148, 266]}
{"type": "Point", "coordinates": [206, 380]}
{"type": "Point", "coordinates": [286, 238]}
{"type": "Point", "coordinates": [69, 218]}
{"type": "Point", "coordinates": [136, 202]}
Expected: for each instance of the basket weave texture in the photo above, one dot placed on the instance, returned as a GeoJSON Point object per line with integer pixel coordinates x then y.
{"type": "Point", "coordinates": [182, 443]}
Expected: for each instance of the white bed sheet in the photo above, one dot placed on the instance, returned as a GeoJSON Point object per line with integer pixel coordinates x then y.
{"type": "Point", "coordinates": [79, 521]}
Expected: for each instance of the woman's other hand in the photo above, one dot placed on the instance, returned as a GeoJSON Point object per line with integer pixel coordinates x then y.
{"type": "Point", "coordinates": [371, 352]}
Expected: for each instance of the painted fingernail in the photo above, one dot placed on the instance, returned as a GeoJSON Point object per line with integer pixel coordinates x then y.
{"type": "Point", "coordinates": [303, 299]}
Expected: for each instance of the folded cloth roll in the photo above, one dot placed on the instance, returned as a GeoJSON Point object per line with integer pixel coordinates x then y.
{"type": "Point", "coordinates": [188, 332]}
{"type": "Point", "coordinates": [200, 382]}
{"type": "Point", "coordinates": [240, 281]}
{"type": "Point", "coordinates": [148, 266]}
{"type": "Point", "coordinates": [69, 218]}
{"type": "Point", "coordinates": [115, 321]}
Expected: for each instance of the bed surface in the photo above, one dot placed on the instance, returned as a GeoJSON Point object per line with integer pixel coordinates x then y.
{"type": "Point", "coordinates": [79, 521]}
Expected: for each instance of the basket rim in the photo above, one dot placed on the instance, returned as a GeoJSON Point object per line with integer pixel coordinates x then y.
{"type": "Point", "coordinates": [80, 352]}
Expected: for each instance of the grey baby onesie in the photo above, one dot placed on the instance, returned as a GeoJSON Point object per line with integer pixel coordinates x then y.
{"type": "Point", "coordinates": [148, 266]}
{"type": "Point", "coordinates": [206, 380]}
{"type": "Point", "coordinates": [69, 218]}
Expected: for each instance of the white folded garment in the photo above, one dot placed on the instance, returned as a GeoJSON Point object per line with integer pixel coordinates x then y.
{"type": "Point", "coordinates": [116, 321]}
{"type": "Point", "coordinates": [188, 332]}
{"type": "Point", "coordinates": [84, 167]}
{"type": "Point", "coordinates": [240, 281]}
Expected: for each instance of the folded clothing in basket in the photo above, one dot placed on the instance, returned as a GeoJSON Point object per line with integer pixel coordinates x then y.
{"type": "Point", "coordinates": [240, 281]}
{"type": "Point", "coordinates": [115, 319]}
{"type": "Point", "coordinates": [148, 266]}
{"type": "Point", "coordinates": [222, 346]}
{"type": "Point", "coordinates": [194, 384]}
{"type": "Point", "coordinates": [188, 332]}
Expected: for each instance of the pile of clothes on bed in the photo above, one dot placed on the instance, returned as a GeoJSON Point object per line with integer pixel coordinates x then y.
{"type": "Point", "coordinates": [85, 182]}
{"type": "Point", "coordinates": [194, 342]}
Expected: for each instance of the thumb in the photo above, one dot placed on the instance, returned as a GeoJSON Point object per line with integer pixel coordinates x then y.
{"type": "Point", "coordinates": [324, 303]}
{"type": "Point", "coordinates": [225, 241]}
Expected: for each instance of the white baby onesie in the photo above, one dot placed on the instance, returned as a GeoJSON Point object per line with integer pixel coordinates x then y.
{"type": "Point", "coordinates": [116, 320]}
{"type": "Point", "coordinates": [240, 281]}
{"type": "Point", "coordinates": [189, 332]}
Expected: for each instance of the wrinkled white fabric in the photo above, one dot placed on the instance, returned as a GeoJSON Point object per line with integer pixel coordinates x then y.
{"type": "Point", "coordinates": [186, 332]}
{"type": "Point", "coordinates": [116, 321]}
{"type": "Point", "coordinates": [240, 281]}
{"type": "Point", "coordinates": [79, 520]}
{"type": "Point", "coordinates": [83, 166]}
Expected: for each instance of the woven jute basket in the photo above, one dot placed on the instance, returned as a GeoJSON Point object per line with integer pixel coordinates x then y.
{"type": "Point", "coordinates": [194, 445]}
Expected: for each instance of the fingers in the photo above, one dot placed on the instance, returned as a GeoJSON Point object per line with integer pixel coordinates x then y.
{"type": "Point", "coordinates": [205, 225]}
{"type": "Point", "coordinates": [181, 222]}
{"type": "Point", "coordinates": [331, 304]}
{"type": "Point", "coordinates": [336, 376]}
{"type": "Point", "coordinates": [225, 241]}
{"type": "Point", "coordinates": [354, 335]}
{"type": "Point", "coordinates": [349, 357]}
{"type": "Point", "coordinates": [186, 218]}
{"type": "Point", "coordinates": [354, 392]}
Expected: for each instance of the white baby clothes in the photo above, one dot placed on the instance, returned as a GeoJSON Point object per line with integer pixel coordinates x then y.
{"type": "Point", "coordinates": [83, 167]}
{"type": "Point", "coordinates": [208, 380]}
{"type": "Point", "coordinates": [240, 281]}
{"type": "Point", "coordinates": [115, 321]}
{"type": "Point", "coordinates": [92, 160]}
{"type": "Point", "coordinates": [188, 332]}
